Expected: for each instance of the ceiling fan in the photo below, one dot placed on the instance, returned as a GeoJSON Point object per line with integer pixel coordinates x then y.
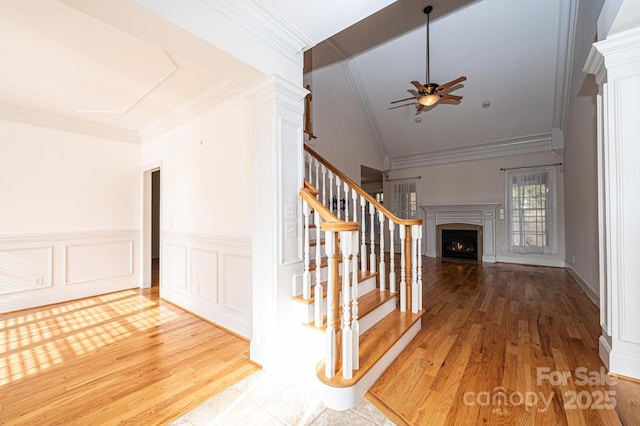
{"type": "Point", "coordinates": [431, 93]}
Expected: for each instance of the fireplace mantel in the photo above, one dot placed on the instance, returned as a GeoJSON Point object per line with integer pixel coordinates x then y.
{"type": "Point", "coordinates": [473, 214]}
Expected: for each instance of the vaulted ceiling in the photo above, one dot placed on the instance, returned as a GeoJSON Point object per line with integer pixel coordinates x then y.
{"type": "Point", "coordinates": [119, 67]}
{"type": "Point", "coordinates": [516, 56]}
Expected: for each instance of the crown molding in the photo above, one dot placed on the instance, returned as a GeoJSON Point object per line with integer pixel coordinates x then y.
{"type": "Point", "coordinates": [264, 23]}
{"type": "Point", "coordinates": [564, 61]}
{"type": "Point", "coordinates": [214, 96]}
{"type": "Point", "coordinates": [621, 48]}
{"type": "Point", "coordinates": [353, 76]}
{"type": "Point", "coordinates": [40, 118]}
{"type": "Point", "coordinates": [501, 148]}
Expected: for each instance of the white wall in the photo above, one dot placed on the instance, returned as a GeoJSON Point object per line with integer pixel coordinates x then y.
{"type": "Point", "coordinates": [206, 172]}
{"type": "Point", "coordinates": [580, 152]}
{"type": "Point", "coordinates": [344, 136]}
{"type": "Point", "coordinates": [69, 216]}
{"type": "Point", "coordinates": [482, 182]}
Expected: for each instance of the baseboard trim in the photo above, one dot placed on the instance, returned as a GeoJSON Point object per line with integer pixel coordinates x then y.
{"type": "Point", "coordinates": [584, 285]}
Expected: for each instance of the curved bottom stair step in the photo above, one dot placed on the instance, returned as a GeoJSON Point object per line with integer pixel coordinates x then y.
{"type": "Point", "coordinates": [379, 346]}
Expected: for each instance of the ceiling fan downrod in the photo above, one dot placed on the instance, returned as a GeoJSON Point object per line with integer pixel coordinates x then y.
{"type": "Point", "coordinates": [427, 10]}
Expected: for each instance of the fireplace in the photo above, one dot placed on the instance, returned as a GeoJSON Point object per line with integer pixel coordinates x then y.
{"type": "Point", "coordinates": [459, 241]}
{"type": "Point", "coordinates": [460, 244]}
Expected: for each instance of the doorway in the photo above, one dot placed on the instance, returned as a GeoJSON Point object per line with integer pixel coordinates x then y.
{"type": "Point", "coordinates": [151, 236]}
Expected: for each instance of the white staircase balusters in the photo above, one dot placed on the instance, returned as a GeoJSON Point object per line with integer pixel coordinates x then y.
{"type": "Point", "coordinates": [316, 182]}
{"type": "Point", "coordinates": [392, 259]}
{"type": "Point", "coordinates": [323, 189]}
{"type": "Point", "coordinates": [330, 205]}
{"type": "Point", "coordinates": [346, 247]}
{"type": "Point", "coordinates": [306, 276]}
{"type": "Point", "coordinates": [317, 293]}
{"type": "Point", "coordinates": [355, 325]}
{"type": "Point", "coordinates": [382, 269]}
{"type": "Point", "coordinates": [363, 247]}
{"type": "Point", "coordinates": [346, 201]}
{"type": "Point", "coordinates": [372, 238]}
{"type": "Point", "coordinates": [403, 286]}
{"type": "Point", "coordinates": [338, 205]}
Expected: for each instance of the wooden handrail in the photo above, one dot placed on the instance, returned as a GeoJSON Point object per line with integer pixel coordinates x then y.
{"type": "Point", "coordinates": [331, 223]}
{"type": "Point", "coordinates": [360, 191]}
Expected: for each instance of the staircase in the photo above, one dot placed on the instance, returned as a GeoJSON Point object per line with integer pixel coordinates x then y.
{"type": "Point", "coordinates": [361, 304]}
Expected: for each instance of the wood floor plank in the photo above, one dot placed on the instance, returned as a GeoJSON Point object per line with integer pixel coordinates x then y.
{"type": "Point", "coordinates": [489, 333]}
{"type": "Point", "coordinates": [123, 358]}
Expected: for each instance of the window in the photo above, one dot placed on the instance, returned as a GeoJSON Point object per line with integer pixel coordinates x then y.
{"type": "Point", "coordinates": [531, 206]}
{"type": "Point", "coordinates": [405, 198]}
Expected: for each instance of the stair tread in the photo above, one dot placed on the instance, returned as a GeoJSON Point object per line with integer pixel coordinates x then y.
{"type": "Point", "coordinates": [374, 343]}
{"type": "Point", "coordinates": [362, 275]}
{"type": "Point", "coordinates": [366, 304]}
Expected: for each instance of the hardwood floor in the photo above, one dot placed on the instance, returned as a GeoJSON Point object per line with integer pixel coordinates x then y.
{"type": "Point", "coordinates": [120, 358]}
{"type": "Point", "coordinates": [504, 344]}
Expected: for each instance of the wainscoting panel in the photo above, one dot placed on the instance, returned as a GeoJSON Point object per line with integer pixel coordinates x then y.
{"type": "Point", "coordinates": [24, 269]}
{"type": "Point", "coordinates": [98, 261]}
{"type": "Point", "coordinates": [174, 266]}
{"type": "Point", "coordinates": [204, 273]}
{"type": "Point", "coordinates": [216, 272]}
{"type": "Point", "coordinates": [41, 269]}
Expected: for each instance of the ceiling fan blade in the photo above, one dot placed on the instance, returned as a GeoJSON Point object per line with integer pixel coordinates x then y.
{"type": "Point", "coordinates": [452, 97]}
{"type": "Point", "coordinates": [419, 110]}
{"type": "Point", "coordinates": [419, 86]}
{"type": "Point", "coordinates": [402, 100]}
{"type": "Point", "coordinates": [452, 83]}
{"type": "Point", "coordinates": [400, 106]}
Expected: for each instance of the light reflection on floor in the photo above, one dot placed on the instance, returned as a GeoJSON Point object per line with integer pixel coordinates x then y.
{"type": "Point", "coordinates": [33, 342]}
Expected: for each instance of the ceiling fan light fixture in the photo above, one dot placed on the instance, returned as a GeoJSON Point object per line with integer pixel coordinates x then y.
{"type": "Point", "coordinates": [428, 100]}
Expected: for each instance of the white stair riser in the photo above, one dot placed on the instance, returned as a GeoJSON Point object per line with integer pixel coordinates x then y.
{"type": "Point", "coordinates": [373, 317]}
{"type": "Point", "coordinates": [306, 313]}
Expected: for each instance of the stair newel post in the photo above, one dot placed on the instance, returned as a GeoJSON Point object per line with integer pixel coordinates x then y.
{"type": "Point", "coordinates": [382, 270]}
{"type": "Point", "coordinates": [419, 295]}
{"type": "Point", "coordinates": [306, 276]}
{"type": "Point", "coordinates": [407, 255]}
{"type": "Point", "coordinates": [403, 287]}
{"type": "Point", "coordinates": [317, 295]}
{"type": "Point", "coordinates": [363, 247]}
{"type": "Point", "coordinates": [338, 206]}
{"type": "Point", "coordinates": [347, 338]}
{"type": "Point", "coordinates": [414, 269]}
{"type": "Point", "coordinates": [323, 170]}
{"type": "Point", "coordinates": [372, 236]}
{"type": "Point", "coordinates": [355, 325]}
{"type": "Point", "coordinates": [392, 259]}
{"type": "Point", "coordinates": [332, 346]}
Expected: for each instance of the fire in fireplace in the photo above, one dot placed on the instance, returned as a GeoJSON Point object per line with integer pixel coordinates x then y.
{"type": "Point", "coordinates": [460, 244]}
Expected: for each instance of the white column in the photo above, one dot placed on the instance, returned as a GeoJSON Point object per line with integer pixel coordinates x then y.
{"type": "Point", "coordinates": [278, 169]}
{"type": "Point", "coordinates": [616, 63]}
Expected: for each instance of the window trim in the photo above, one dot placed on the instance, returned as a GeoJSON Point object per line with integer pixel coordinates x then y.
{"type": "Point", "coordinates": [551, 224]}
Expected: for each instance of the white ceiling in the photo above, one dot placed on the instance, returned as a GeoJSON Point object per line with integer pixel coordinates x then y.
{"type": "Point", "coordinates": [117, 65]}
{"type": "Point", "coordinates": [513, 53]}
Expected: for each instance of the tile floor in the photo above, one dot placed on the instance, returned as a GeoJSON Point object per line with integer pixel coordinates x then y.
{"type": "Point", "coordinates": [266, 399]}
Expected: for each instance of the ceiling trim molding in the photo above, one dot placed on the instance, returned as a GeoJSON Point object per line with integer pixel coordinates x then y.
{"type": "Point", "coordinates": [216, 95]}
{"type": "Point", "coordinates": [567, 23]}
{"type": "Point", "coordinates": [355, 80]}
{"type": "Point", "coordinates": [45, 119]}
{"type": "Point", "coordinates": [501, 148]}
{"type": "Point", "coordinates": [264, 23]}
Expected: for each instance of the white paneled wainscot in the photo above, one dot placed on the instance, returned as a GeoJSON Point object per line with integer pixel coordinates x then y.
{"type": "Point", "coordinates": [41, 269]}
{"type": "Point", "coordinates": [209, 276]}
